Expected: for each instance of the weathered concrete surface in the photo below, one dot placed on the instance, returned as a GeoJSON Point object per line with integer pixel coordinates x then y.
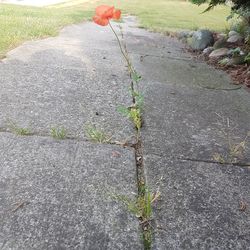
{"type": "Point", "coordinates": [200, 202]}
{"type": "Point", "coordinates": [64, 81]}
{"type": "Point", "coordinates": [56, 194]}
{"type": "Point", "coordinates": [65, 187]}
{"type": "Point", "coordinates": [75, 79]}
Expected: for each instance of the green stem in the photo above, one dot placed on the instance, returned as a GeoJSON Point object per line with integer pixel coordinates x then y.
{"type": "Point", "coordinates": [131, 70]}
{"type": "Point", "coordinates": [125, 55]}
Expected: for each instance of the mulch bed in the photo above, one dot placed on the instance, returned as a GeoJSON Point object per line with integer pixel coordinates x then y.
{"type": "Point", "coordinates": [240, 74]}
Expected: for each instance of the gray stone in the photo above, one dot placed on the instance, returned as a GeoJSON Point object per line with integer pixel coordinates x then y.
{"type": "Point", "coordinates": [220, 43]}
{"type": "Point", "coordinates": [207, 50]}
{"type": "Point", "coordinates": [65, 188]}
{"type": "Point", "coordinates": [233, 33]}
{"type": "Point", "coordinates": [202, 39]}
{"type": "Point", "coordinates": [235, 39]}
{"type": "Point", "coordinates": [219, 52]}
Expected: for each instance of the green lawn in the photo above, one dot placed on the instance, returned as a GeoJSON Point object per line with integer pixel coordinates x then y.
{"type": "Point", "coordinates": [167, 15]}
{"type": "Point", "coordinates": [18, 24]}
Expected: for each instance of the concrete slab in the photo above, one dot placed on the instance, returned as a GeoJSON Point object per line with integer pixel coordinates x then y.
{"type": "Point", "coordinates": [54, 195]}
{"type": "Point", "coordinates": [200, 205]}
{"type": "Point", "coordinates": [75, 79]}
{"type": "Point", "coordinates": [164, 59]}
{"type": "Point", "coordinates": [79, 78]}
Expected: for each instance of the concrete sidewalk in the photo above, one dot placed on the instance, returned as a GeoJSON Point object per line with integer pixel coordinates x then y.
{"type": "Point", "coordinates": [55, 194]}
{"type": "Point", "coordinates": [185, 125]}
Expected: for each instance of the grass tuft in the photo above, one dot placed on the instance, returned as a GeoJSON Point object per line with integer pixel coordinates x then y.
{"type": "Point", "coordinates": [58, 133]}
{"type": "Point", "coordinates": [18, 130]}
{"type": "Point", "coordinates": [96, 135]}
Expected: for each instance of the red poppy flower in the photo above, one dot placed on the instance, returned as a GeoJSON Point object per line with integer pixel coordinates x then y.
{"type": "Point", "coordinates": [104, 13]}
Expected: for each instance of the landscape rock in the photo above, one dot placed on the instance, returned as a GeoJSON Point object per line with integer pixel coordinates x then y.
{"type": "Point", "coordinates": [208, 50]}
{"type": "Point", "coordinates": [220, 43]}
{"type": "Point", "coordinates": [219, 52]}
{"type": "Point", "coordinates": [233, 33]}
{"type": "Point", "coordinates": [201, 39]}
{"type": "Point", "coordinates": [235, 39]}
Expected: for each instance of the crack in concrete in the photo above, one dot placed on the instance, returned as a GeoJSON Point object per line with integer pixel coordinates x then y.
{"type": "Point", "coordinates": [239, 164]}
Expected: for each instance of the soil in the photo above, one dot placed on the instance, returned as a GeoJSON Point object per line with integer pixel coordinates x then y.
{"type": "Point", "coordinates": [240, 74]}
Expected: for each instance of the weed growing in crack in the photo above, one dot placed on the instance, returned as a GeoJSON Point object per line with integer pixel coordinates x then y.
{"type": "Point", "coordinates": [235, 148]}
{"type": "Point", "coordinates": [133, 113]}
{"type": "Point", "coordinates": [141, 207]}
{"type": "Point", "coordinates": [236, 151]}
{"type": "Point", "coordinates": [22, 131]}
{"type": "Point", "coordinates": [19, 130]}
{"type": "Point", "coordinates": [147, 239]}
{"type": "Point", "coordinates": [102, 18]}
{"type": "Point", "coordinates": [96, 135]}
{"type": "Point", "coordinates": [58, 133]}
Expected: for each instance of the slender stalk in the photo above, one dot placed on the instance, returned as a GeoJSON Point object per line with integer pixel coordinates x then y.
{"type": "Point", "coordinates": [125, 55]}
{"type": "Point", "coordinates": [131, 70]}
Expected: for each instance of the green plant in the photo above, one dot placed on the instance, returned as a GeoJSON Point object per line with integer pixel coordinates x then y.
{"type": "Point", "coordinates": [224, 61]}
{"type": "Point", "coordinates": [133, 113]}
{"type": "Point", "coordinates": [247, 58]}
{"type": "Point", "coordinates": [236, 4]}
{"type": "Point", "coordinates": [102, 17]}
{"type": "Point", "coordinates": [141, 207]}
{"type": "Point", "coordinates": [19, 130]}
{"type": "Point", "coordinates": [96, 135]}
{"type": "Point", "coordinates": [135, 116]}
{"type": "Point", "coordinates": [236, 52]}
{"type": "Point", "coordinates": [22, 131]}
{"type": "Point", "coordinates": [236, 151]}
{"type": "Point", "coordinates": [235, 148]}
{"type": "Point", "coordinates": [58, 133]}
{"type": "Point", "coordinates": [147, 239]}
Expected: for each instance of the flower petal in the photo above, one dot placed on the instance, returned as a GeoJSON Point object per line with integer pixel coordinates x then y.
{"type": "Point", "coordinates": [117, 14]}
{"type": "Point", "coordinates": [100, 21]}
{"type": "Point", "coordinates": [105, 11]}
